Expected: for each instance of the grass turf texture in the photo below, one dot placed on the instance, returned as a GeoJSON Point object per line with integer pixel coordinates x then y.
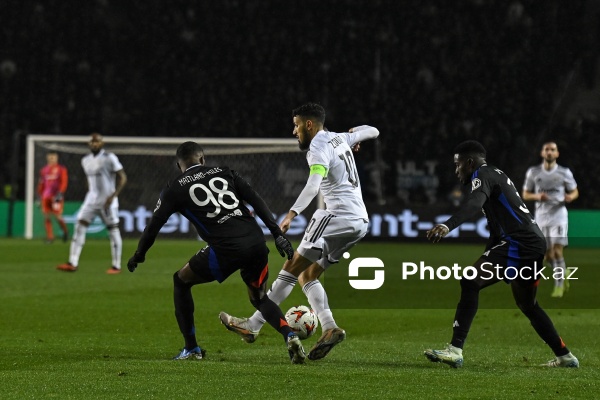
{"type": "Point", "coordinates": [89, 335]}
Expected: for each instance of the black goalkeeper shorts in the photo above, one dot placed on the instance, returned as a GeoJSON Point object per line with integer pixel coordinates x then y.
{"type": "Point", "coordinates": [252, 263]}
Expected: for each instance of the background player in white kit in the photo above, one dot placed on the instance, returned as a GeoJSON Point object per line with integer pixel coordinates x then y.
{"type": "Point", "coordinates": [551, 186]}
{"type": "Point", "coordinates": [330, 232]}
{"type": "Point", "coordinates": [101, 169]}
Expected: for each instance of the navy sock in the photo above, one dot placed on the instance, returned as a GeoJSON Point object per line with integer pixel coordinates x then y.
{"type": "Point", "coordinates": [273, 315]}
{"type": "Point", "coordinates": [184, 311]}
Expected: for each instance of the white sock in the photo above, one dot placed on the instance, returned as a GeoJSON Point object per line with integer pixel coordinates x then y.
{"type": "Point", "coordinates": [317, 298]}
{"type": "Point", "coordinates": [558, 265]}
{"type": "Point", "coordinates": [77, 244]}
{"type": "Point", "coordinates": [116, 246]}
{"type": "Point", "coordinates": [280, 290]}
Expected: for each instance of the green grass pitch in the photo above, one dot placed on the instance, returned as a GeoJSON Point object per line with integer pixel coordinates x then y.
{"type": "Point", "coordinates": [89, 335]}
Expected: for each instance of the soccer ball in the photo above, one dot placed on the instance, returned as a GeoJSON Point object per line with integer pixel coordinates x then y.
{"type": "Point", "coordinates": [302, 320]}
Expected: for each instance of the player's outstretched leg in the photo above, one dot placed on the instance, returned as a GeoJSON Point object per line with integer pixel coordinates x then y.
{"type": "Point", "coordinates": [450, 355]}
{"type": "Point", "coordinates": [272, 313]}
{"type": "Point", "coordinates": [241, 326]}
{"type": "Point", "coordinates": [525, 297]}
{"type": "Point", "coordinates": [249, 328]}
{"type": "Point", "coordinates": [332, 334]}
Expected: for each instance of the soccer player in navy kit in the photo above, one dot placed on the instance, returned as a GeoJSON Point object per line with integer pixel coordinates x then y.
{"type": "Point", "coordinates": [516, 245]}
{"type": "Point", "coordinates": [211, 198]}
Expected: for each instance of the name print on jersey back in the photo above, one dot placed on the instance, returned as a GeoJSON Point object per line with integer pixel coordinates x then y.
{"type": "Point", "coordinates": [198, 176]}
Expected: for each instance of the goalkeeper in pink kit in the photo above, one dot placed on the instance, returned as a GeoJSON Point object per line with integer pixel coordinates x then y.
{"type": "Point", "coordinates": [52, 185]}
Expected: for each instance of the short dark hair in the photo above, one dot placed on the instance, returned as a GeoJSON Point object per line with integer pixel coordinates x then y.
{"type": "Point", "coordinates": [470, 148]}
{"type": "Point", "coordinates": [310, 110]}
{"type": "Point", "coordinates": [188, 151]}
{"type": "Point", "coordinates": [550, 141]}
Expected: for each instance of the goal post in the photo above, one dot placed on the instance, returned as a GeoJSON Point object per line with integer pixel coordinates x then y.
{"type": "Point", "coordinates": [274, 167]}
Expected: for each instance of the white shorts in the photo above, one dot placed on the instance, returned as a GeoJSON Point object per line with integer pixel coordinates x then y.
{"type": "Point", "coordinates": [110, 216]}
{"type": "Point", "coordinates": [555, 234]}
{"type": "Point", "coordinates": [328, 237]}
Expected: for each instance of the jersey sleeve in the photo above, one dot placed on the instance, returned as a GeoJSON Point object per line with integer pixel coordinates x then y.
{"type": "Point", "coordinates": [261, 208]}
{"type": "Point", "coordinates": [311, 189]}
{"type": "Point", "coordinates": [481, 189]}
{"type": "Point", "coordinates": [164, 208]}
{"type": "Point", "coordinates": [468, 210]}
{"type": "Point", "coordinates": [570, 183]}
{"type": "Point", "coordinates": [317, 154]}
{"type": "Point", "coordinates": [64, 179]}
{"type": "Point", "coordinates": [41, 182]}
{"type": "Point", "coordinates": [481, 181]}
{"type": "Point", "coordinates": [116, 164]}
{"type": "Point", "coordinates": [529, 183]}
{"type": "Point", "coordinates": [360, 134]}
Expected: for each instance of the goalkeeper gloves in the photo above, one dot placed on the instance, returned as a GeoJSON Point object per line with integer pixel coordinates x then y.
{"type": "Point", "coordinates": [135, 260]}
{"type": "Point", "coordinates": [58, 197]}
{"type": "Point", "coordinates": [284, 247]}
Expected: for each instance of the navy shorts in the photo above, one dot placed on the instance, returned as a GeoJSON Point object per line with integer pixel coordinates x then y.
{"type": "Point", "coordinates": [252, 264]}
{"type": "Point", "coordinates": [517, 262]}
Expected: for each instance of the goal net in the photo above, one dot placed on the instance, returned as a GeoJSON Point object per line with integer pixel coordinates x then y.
{"type": "Point", "coordinates": [274, 167]}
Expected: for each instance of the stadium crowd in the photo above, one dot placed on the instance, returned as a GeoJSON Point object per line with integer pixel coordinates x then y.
{"type": "Point", "coordinates": [428, 74]}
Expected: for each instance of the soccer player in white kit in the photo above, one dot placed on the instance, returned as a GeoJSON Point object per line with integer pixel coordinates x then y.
{"type": "Point", "coordinates": [552, 186]}
{"type": "Point", "coordinates": [101, 169]}
{"type": "Point", "coordinates": [330, 232]}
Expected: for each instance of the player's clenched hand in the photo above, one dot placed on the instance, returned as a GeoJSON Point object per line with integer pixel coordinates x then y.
{"type": "Point", "coordinates": [284, 247]}
{"type": "Point", "coordinates": [437, 233]}
{"type": "Point", "coordinates": [568, 198]}
{"type": "Point", "coordinates": [135, 260]}
{"type": "Point", "coordinates": [284, 225]}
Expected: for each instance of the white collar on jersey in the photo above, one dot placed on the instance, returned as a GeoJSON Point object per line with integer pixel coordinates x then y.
{"type": "Point", "coordinates": [549, 170]}
{"type": "Point", "coordinates": [193, 166]}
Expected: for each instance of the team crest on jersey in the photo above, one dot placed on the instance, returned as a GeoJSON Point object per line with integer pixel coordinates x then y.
{"type": "Point", "coordinates": [475, 184]}
{"type": "Point", "coordinates": [157, 205]}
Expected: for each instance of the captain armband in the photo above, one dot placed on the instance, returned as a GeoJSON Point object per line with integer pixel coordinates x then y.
{"type": "Point", "coordinates": [318, 169]}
